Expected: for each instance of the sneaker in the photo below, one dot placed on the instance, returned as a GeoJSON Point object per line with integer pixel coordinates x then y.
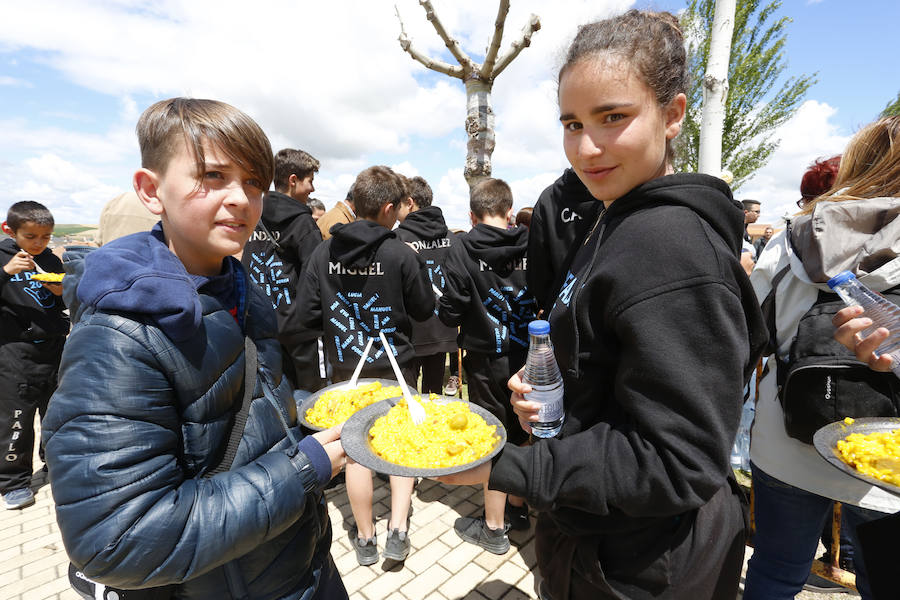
{"type": "Point", "coordinates": [816, 583]}
{"type": "Point", "coordinates": [475, 531]}
{"type": "Point", "coordinates": [397, 545]}
{"type": "Point", "coordinates": [18, 499]}
{"type": "Point", "coordinates": [366, 551]}
{"type": "Point", "coordinates": [517, 517]}
{"type": "Point", "coordinates": [452, 387]}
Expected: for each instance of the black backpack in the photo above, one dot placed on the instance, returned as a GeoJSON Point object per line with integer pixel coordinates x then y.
{"type": "Point", "coordinates": [821, 381]}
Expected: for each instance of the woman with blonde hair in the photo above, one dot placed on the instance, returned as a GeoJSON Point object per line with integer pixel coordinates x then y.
{"type": "Point", "coordinates": [854, 226]}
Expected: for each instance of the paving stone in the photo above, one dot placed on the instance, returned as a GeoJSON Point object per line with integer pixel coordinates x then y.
{"type": "Point", "coordinates": [466, 578]}
{"type": "Point", "coordinates": [425, 582]}
{"type": "Point", "coordinates": [420, 559]}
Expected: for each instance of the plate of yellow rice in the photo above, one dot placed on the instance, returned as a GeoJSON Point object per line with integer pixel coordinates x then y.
{"type": "Point", "coordinates": [455, 436]}
{"type": "Point", "coordinates": [332, 405]}
{"type": "Point", "coordinates": [866, 448]}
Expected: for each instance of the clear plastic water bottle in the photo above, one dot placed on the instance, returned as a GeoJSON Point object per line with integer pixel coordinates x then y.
{"type": "Point", "coordinates": [542, 374]}
{"type": "Point", "coordinates": [882, 311]}
{"type": "Point", "coordinates": [740, 452]}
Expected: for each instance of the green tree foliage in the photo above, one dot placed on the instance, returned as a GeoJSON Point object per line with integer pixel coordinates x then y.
{"type": "Point", "coordinates": [755, 106]}
{"type": "Point", "coordinates": [892, 109]}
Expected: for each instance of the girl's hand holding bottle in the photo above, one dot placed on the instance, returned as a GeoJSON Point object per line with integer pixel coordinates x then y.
{"type": "Point", "coordinates": [850, 324]}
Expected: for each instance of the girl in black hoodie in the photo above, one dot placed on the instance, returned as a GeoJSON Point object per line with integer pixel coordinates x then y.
{"type": "Point", "coordinates": [656, 329]}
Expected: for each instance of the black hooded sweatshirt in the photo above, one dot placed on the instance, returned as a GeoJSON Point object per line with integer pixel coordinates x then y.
{"type": "Point", "coordinates": [426, 230]}
{"type": "Point", "coordinates": [28, 311]}
{"type": "Point", "coordinates": [359, 281]}
{"type": "Point", "coordinates": [294, 237]}
{"type": "Point", "coordinates": [561, 216]}
{"type": "Point", "coordinates": [656, 330]}
{"type": "Point", "coordinates": [486, 291]}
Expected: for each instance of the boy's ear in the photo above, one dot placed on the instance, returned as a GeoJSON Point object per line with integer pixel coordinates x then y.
{"type": "Point", "coordinates": [146, 184]}
{"type": "Point", "coordinates": [7, 229]}
{"type": "Point", "coordinates": [472, 219]}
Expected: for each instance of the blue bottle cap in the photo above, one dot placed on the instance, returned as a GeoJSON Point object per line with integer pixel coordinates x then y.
{"type": "Point", "coordinates": [539, 327]}
{"type": "Point", "coordinates": [842, 277]}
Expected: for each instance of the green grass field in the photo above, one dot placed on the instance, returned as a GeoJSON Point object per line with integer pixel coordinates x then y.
{"type": "Point", "coordinates": [63, 230]}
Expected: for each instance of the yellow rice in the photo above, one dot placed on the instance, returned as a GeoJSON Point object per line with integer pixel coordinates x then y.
{"type": "Point", "coordinates": [336, 406]}
{"type": "Point", "coordinates": [874, 454]}
{"type": "Point", "coordinates": [433, 444]}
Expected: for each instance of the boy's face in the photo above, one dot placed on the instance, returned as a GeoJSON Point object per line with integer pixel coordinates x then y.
{"type": "Point", "coordinates": [204, 222]}
{"type": "Point", "coordinates": [30, 237]}
{"type": "Point", "coordinates": [300, 189]}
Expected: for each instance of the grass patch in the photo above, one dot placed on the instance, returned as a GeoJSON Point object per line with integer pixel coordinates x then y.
{"type": "Point", "coordinates": [64, 230]}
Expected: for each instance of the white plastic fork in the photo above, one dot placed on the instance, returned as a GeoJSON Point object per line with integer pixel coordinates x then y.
{"type": "Point", "coordinates": [416, 410]}
{"type": "Point", "coordinates": [359, 366]}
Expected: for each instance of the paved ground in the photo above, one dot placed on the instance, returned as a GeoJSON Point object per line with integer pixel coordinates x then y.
{"type": "Point", "coordinates": [33, 563]}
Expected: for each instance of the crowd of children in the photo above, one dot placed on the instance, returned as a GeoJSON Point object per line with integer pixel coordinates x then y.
{"type": "Point", "coordinates": [175, 456]}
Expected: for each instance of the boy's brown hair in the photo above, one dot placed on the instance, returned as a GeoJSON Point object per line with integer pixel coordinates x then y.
{"type": "Point", "coordinates": [420, 191]}
{"type": "Point", "coordinates": [28, 211]}
{"type": "Point", "coordinates": [166, 123]}
{"type": "Point", "coordinates": [293, 162]}
{"type": "Point", "coordinates": [374, 188]}
{"type": "Point", "coordinates": [490, 197]}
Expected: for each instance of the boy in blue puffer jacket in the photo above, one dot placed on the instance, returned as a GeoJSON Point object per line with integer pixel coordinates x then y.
{"type": "Point", "coordinates": [152, 379]}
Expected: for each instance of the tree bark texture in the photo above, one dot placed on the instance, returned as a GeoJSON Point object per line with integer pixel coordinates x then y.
{"type": "Point", "coordinates": [480, 129]}
{"type": "Point", "coordinates": [715, 89]}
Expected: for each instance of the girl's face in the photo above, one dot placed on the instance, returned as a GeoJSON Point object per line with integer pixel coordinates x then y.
{"type": "Point", "coordinates": [615, 132]}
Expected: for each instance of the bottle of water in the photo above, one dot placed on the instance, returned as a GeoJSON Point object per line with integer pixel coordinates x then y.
{"type": "Point", "coordinates": [542, 374]}
{"type": "Point", "coordinates": [740, 452]}
{"type": "Point", "coordinates": [882, 311]}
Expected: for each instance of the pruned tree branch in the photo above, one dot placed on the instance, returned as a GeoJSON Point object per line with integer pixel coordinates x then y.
{"type": "Point", "coordinates": [490, 58]}
{"type": "Point", "coordinates": [534, 24]}
{"type": "Point", "coordinates": [461, 57]}
{"type": "Point", "coordinates": [430, 63]}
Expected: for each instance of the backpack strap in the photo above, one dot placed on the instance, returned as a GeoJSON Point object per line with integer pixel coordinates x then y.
{"type": "Point", "coordinates": [240, 417]}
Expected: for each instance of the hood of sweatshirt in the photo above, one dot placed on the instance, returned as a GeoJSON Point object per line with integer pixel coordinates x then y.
{"type": "Point", "coordinates": [139, 275]}
{"type": "Point", "coordinates": [499, 248]}
{"type": "Point", "coordinates": [354, 244]}
{"type": "Point", "coordinates": [280, 209]}
{"type": "Point", "coordinates": [862, 236]}
{"type": "Point", "coordinates": [709, 197]}
{"type": "Point", "coordinates": [426, 223]}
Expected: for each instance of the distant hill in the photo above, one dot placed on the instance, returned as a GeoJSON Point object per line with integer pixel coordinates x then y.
{"type": "Point", "coordinates": [60, 230]}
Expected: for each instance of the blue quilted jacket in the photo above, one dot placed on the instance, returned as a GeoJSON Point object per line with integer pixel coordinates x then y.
{"type": "Point", "coordinates": [150, 377]}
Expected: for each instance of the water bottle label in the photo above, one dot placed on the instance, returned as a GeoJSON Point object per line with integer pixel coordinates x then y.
{"type": "Point", "coordinates": [551, 399]}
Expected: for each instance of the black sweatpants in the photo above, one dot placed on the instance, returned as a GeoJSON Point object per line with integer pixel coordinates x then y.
{"type": "Point", "coordinates": [432, 368]}
{"type": "Point", "coordinates": [696, 556]}
{"type": "Point", "coordinates": [487, 375]}
{"type": "Point", "coordinates": [304, 364]}
{"type": "Point", "coordinates": [29, 372]}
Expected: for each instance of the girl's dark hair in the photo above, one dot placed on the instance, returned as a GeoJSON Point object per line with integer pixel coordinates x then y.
{"type": "Point", "coordinates": [650, 41]}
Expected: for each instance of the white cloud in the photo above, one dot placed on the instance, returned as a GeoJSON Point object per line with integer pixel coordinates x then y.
{"type": "Point", "coordinates": [14, 82]}
{"type": "Point", "coordinates": [809, 135]}
{"type": "Point", "coordinates": [452, 195]}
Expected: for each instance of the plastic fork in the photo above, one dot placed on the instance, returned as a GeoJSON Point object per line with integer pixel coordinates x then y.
{"type": "Point", "coordinates": [416, 410]}
{"type": "Point", "coordinates": [359, 366]}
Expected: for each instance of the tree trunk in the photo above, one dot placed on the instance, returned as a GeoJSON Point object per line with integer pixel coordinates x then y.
{"type": "Point", "coordinates": [715, 89]}
{"type": "Point", "coordinates": [480, 129]}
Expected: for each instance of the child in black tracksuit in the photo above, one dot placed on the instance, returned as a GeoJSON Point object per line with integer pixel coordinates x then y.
{"type": "Point", "coordinates": [487, 297]}
{"type": "Point", "coordinates": [33, 328]}
{"type": "Point", "coordinates": [360, 281]}
{"type": "Point", "coordinates": [277, 253]}
{"type": "Point", "coordinates": [422, 226]}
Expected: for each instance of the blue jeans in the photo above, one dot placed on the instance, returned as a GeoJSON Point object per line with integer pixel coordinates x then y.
{"type": "Point", "coordinates": [789, 522]}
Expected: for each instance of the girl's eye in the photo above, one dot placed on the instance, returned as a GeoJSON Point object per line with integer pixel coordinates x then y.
{"type": "Point", "coordinates": [213, 175]}
{"type": "Point", "coordinates": [572, 126]}
{"type": "Point", "coordinates": [254, 182]}
{"type": "Point", "coordinates": [614, 117]}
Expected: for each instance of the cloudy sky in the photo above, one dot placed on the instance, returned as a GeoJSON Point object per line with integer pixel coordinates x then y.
{"type": "Point", "coordinates": [331, 78]}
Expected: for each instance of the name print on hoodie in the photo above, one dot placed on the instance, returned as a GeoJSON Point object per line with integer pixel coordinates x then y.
{"type": "Point", "coordinates": [361, 281]}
